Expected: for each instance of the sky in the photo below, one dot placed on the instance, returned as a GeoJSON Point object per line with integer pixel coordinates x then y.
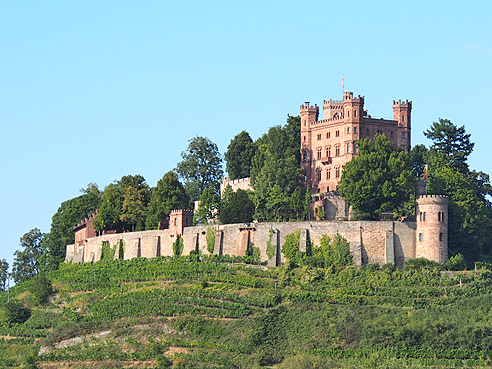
{"type": "Point", "coordinates": [94, 90]}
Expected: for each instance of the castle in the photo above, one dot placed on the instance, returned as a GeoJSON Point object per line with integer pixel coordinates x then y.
{"type": "Point", "coordinates": [326, 145]}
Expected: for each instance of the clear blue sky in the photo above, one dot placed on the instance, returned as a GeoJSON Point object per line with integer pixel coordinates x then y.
{"type": "Point", "coordinates": [91, 91]}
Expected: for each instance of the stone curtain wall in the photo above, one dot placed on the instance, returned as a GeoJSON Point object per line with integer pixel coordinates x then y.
{"type": "Point", "coordinates": [370, 241]}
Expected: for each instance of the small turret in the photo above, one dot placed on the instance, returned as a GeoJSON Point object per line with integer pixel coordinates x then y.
{"type": "Point", "coordinates": [309, 114]}
{"type": "Point", "coordinates": [432, 228]}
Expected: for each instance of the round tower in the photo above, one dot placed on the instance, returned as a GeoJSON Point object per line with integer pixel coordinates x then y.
{"type": "Point", "coordinates": [432, 228]}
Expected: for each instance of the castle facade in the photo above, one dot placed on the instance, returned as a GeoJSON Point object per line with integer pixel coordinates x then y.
{"type": "Point", "coordinates": [327, 144]}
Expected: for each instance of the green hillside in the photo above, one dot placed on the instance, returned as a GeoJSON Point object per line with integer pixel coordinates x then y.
{"type": "Point", "coordinates": [213, 313]}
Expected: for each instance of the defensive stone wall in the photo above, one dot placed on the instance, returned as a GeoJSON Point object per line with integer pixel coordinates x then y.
{"type": "Point", "coordinates": [370, 241]}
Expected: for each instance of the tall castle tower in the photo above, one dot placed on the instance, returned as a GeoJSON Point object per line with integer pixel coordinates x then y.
{"type": "Point", "coordinates": [432, 228]}
{"type": "Point", "coordinates": [402, 113]}
{"type": "Point", "coordinates": [309, 115]}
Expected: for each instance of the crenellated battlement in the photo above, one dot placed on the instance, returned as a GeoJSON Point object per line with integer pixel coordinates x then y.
{"type": "Point", "coordinates": [86, 220]}
{"type": "Point", "coordinates": [181, 211]}
{"type": "Point", "coordinates": [307, 106]}
{"type": "Point", "coordinates": [404, 104]}
{"type": "Point", "coordinates": [444, 197]}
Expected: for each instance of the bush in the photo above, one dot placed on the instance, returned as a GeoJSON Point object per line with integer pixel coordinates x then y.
{"type": "Point", "coordinates": [14, 313]}
{"type": "Point", "coordinates": [40, 289]}
{"type": "Point", "coordinates": [210, 239]}
{"type": "Point", "coordinates": [456, 262]}
{"type": "Point", "coordinates": [178, 246]}
{"type": "Point", "coordinates": [421, 263]}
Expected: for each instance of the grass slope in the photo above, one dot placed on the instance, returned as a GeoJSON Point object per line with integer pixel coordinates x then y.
{"type": "Point", "coordinates": [184, 313]}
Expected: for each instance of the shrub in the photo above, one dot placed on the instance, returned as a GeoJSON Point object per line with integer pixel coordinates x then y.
{"type": "Point", "coordinates": [290, 248]}
{"type": "Point", "coordinates": [178, 246]}
{"type": "Point", "coordinates": [40, 289]}
{"type": "Point", "coordinates": [210, 239]}
{"type": "Point", "coordinates": [14, 313]}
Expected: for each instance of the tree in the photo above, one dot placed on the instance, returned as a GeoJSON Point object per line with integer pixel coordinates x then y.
{"type": "Point", "coordinates": [276, 174]}
{"type": "Point", "coordinates": [4, 274]}
{"type": "Point", "coordinates": [236, 207]}
{"type": "Point", "coordinates": [40, 289]}
{"type": "Point", "coordinates": [200, 167]}
{"type": "Point", "coordinates": [178, 246]}
{"type": "Point", "coordinates": [208, 206]}
{"type": "Point", "coordinates": [239, 155]}
{"type": "Point", "coordinates": [452, 141]}
{"type": "Point", "coordinates": [124, 205]}
{"type": "Point", "coordinates": [27, 261]}
{"type": "Point", "coordinates": [378, 180]}
{"type": "Point", "coordinates": [14, 313]}
{"type": "Point", "coordinates": [168, 194]}
{"type": "Point", "coordinates": [68, 215]}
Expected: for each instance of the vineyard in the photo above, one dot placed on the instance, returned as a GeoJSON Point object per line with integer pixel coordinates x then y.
{"type": "Point", "coordinates": [218, 312]}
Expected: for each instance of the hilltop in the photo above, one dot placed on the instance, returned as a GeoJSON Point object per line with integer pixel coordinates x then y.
{"type": "Point", "coordinates": [192, 313]}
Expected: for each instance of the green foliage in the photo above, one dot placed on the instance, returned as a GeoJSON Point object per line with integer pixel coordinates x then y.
{"type": "Point", "coordinates": [4, 274]}
{"type": "Point", "coordinates": [121, 250]}
{"type": "Point", "coordinates": [178, 246]}
{"type": "Point", "coordinates": [275, 173]}
{"type": "Point", "coordinates": [456, 262]}
{"type": "Point", "coordinates": [378, 180]}
{"type": "Point", "coordinates": [331, 253]}
{"type": "Point", "coordinates": [69, 214]}
{"type": "Point", "coordinates": [319, 213]}
{"type": "Point", "coordinates": [14, 313]}
{"type": "Point", "coordinates": [253, 253]}
{"type": "Point", "coordinates": [236, 207]}
{"type": "Point", "coordinates": [210, 237]}
{"type": "Point", "coordinates": [207, 209]}
{"type": "Point", "coordinates": [451, 141]}
{"type": "Point", "coordinates": [40, 289]}
{"type": "Point", "coordinates": [124, 205]}
{"type": "Point", "coordinates": [27, 262]}
{"type": "Point", "coordinates": [239, 155]}
{"type": "Point", "coordinates": [168, 194]}
{"type": "Point", "coordinates": [200, 167]}
{"type": "Point", "coordinates": [290, 248]}
{"type": "Point", "coordinates": [107, 252]}
{"type": "Point", "coordinates": [271, 249]}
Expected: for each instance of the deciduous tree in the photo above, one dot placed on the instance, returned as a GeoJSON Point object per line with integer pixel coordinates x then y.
{"type": "Point", "coordinates": [4, 274]}
{"type": "Point", "coordinates": [239, 155]}
{"type": "Point", "coordinates": [27, 262]}
{"type": "Point", "coordinates": [378, 180]}
{"type": "Point", "coordinates": [168, 194]}
{"type": "Point", "coordinates": [200, 167]}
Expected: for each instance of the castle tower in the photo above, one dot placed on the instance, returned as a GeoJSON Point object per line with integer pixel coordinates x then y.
{"type": "Point", "coordinates": [309, 115]}
{"type": "Point", "coordinates": [402, 113]}
{"type": "Point", "coordinates": [432, 228]}
{"type": "Point", "coordinates": [179, 219]}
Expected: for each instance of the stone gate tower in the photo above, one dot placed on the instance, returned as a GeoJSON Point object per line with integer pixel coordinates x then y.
{"type": "Point", "coordinates": [432, 228]}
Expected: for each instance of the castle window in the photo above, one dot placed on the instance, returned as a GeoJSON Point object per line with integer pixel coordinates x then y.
{"type": "Point", "coordinates": [337, 151]}
{"type": "Point", "coordinates": [440, 236]}
{"type": "Point", "coordinates": [391, 134]}
{"type": "Point", "coordinates": [423, 216]}
{"type": "Point", "coordinates": [305, 121]}
{"type": "Point", "coordinates": [403, 135]}
{"type": "Point", "coordinates": [337, 172]}
{"type": "Point", "coordinates": [328, 173]}
{"type": "Point", "coordinates": [348, 129]}
{"type": "Point", "coordinates": [348, 147]}
{"type": "Point", "coordinates": [348, 114]}
{"type": "Point", "coordinates": [328, 135]}
{"type": "Point", "coordinates": [318, 174]}
{"type": "Point", "coordinates": [337, 134]}
{"type": "Point", "coordinates": [319, 137]}
{"type": "Point", "coordinates": [328, 151]}
{"type": "Point", "coordinates": [355, 129]}
{"type": "Point", "coordinates": [421, 237]}
{"type": "Point", "coordinates": [402, 118]}
{"type": "Point", "coordinates": [175, 221]}
{"type": "Point", "coordinates": [304, 175]}
{"type": "Point", "coordinates": [355, 147]}
{"type": "Point", "coordinates": [305, 155]}
{"type": "Point", "coordinates": [367, 131]}
{"type": "Point", "coordinates": [319, 153]}
{"type": "Point", "coordinates": [305, 138]}
{"type": "Point", "coordinates": [355, 113]}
